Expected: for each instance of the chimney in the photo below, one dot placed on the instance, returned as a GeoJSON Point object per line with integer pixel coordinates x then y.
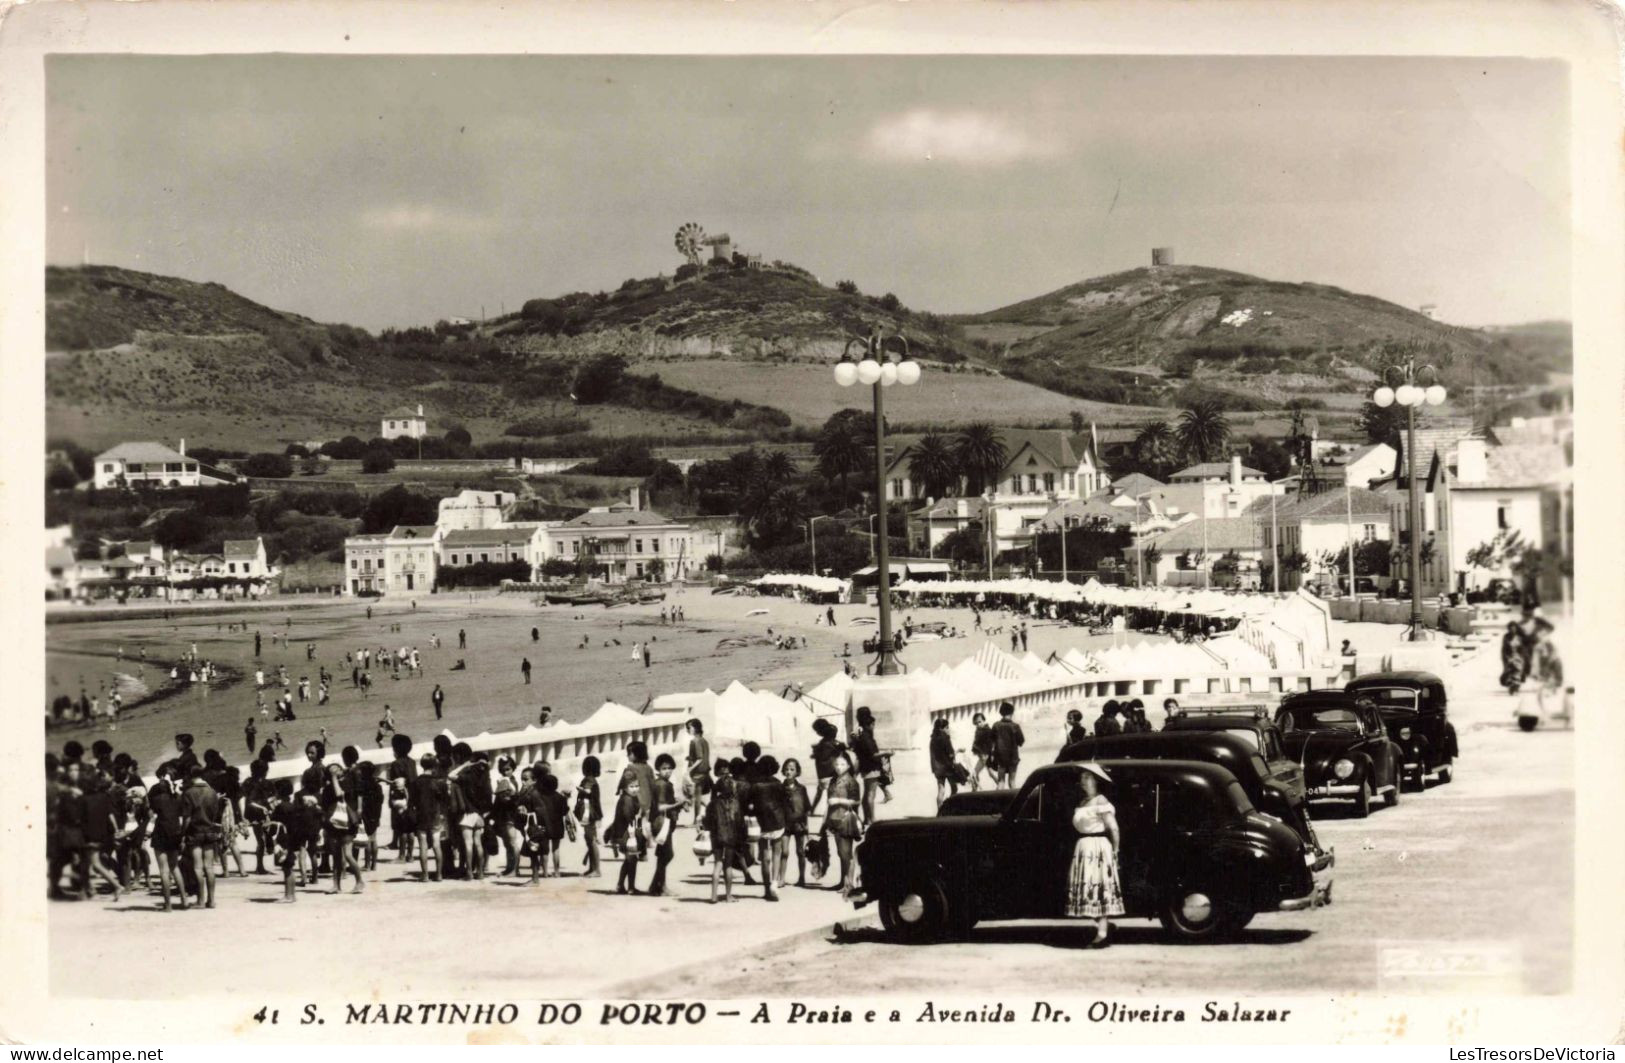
{"type": "Point", "coordinates": [1472, 462]}
{"type": "Point", "coordinates": [1235, 470]}
{"type": "Point", "coordinates": [183, 448]}
{"type": "Point", "coordinates": [420, 409]}
{"type": "Point", "coordinates": [636, 498]}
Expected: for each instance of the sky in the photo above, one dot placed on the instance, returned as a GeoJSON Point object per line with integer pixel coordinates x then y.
{"type": "Point", "coordinates": [397, 191]}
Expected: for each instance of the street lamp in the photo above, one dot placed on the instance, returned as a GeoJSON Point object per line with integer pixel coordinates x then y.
{"type": "Point", "coordinates": [1411, 394]}
{"type": "Point", "coordinates": [880, 369]}
{"type": "Point", "coordinates": [812, 529]}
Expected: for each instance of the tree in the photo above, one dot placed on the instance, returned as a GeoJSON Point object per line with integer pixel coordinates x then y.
{"type": "Point", "coordinates": [377, 460]}
{"type": "Point", "coordinates": [349, 448]}
{"type": "Point", "coordinates": [268, 466]}
{"type": "Point", "coordinates": [296, 450]}
{"type": "Point", "coordinates": [1385, 425]}
{"type": "Point", "coordinates": [1267, 456]}
{"type": "Point", "coordinates": [840, 452]}
{"type": "Point", "coordinates": [181, 529]}
{"type": "Point", "coordinates": [61, 478]}
{"type": "Point", "coordinates": [599, 378]}
{"type": "Point", "coordinates": [558, 568]}
{"type": "Point", "coordinates": [1203, 431]}
{"type": "Point", "coordinates": [1155, 448]}
{"type": "Point", "coordinates": [846, 287]}
{"type": "Point", "coordinates": [934, 466]}
{"type": "Point", "coordinates": [966, 547]}
{"type": "Point", "coordinates": [1076, 417]}
{"type": "Point", "coordinates": [981, 455]}
{"type": "Point", "coordinates": [890, 303]}
{"type": "Point", "coordinates": [398, 506]}
{"type": "Point", "coordinates": [460, 436]}
{"type": "Point", "coordinates": [777, 468]}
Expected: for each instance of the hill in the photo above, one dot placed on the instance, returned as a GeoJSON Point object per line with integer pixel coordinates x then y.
{"type": "Point", "coordinates": [1192, 326]}
{"type": "Point", "coordinates": [138, 355]}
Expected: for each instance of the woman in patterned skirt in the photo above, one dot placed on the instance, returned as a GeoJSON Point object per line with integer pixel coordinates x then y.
{"type": "Point", "coordinates": [1093, 889]}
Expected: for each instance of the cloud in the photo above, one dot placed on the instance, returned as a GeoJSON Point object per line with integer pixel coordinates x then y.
{"type": "Point", "coordinates": [966, 138]}
{"type": "Point", "coordinates": [418, 217]}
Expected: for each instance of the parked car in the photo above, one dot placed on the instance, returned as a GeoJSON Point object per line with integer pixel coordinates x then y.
{"type": "Point", "coordinates": [1229, 751]}
{"type": "Point", "coordinates": [1413, 708]}
{"type": "Point", "coordinates": [1195, 854]}
{"type": "Point", "coordinates": [1253, 724]}
{"type": "Point", "coordinates": [1343, 746]}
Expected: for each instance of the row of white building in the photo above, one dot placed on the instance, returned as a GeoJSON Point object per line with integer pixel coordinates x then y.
{"type": "Point", "coordinates": [615, 543]}
{"type": "Point", "coordinates": [144, 569]}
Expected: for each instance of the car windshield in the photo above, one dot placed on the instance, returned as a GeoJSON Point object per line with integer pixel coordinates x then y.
{"type": "Point", "coordinates": [1392, 700]}
{"type": "Point", "coordinates": [1247, 734]}
{"type": "Point", "coordinates": [1320, 718]}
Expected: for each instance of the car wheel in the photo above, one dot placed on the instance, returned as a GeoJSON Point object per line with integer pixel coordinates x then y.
{"type": "Point", "coordinates": [1362, 802]}
{"type": "Point", "coordinates": [1419, 779]}
{"type": "Point", "coordinates": [1447, 772]}
{"type": "Point", "coordinates": [1391, 798]}
{"type": "Point", "coordinates": [1528, 723]}
{"type": "Point", "coordinates": [917, 913]}
{"type": "Point", "coordinates": [1196, 914]}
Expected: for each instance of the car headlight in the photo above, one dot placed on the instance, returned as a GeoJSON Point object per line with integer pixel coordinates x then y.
{"type": "Point", "coordinates": [1405, 734]}
{"type": "Point", "coordinates": [1343, 768]}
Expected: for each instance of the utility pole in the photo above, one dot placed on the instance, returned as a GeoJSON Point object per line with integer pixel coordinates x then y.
{"type": "Point", "coordinates": [1275, 549]}
{"type": "Point", "coordinates": [1348, 505]}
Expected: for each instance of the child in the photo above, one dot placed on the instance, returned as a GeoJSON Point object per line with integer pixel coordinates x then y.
{"type": "Point", "coordinates": [554, 812]}
{"type": "Point", "coordinates": [667, 807]}
{"type": "Point", "coordinates": [800, 807]}
{"type": "Point", "coordinates": [284, 834]}
{"type": "Point", "coordinates": [725, 823]}
{"type": "Point", "coordinates": [771, 807]}
{"type": "Point", "coordinates": [526, 820]}
{"type": "Point", "coordinates": [625, 833]}
{"type": "Point", "coordinates": [590, 812]}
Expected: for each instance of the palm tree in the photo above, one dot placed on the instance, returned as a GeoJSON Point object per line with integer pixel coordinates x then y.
{"type": "Point", "coordinates": [934, 465]}
{"type": "Point", "coordinates": [981, 455]}
{"type": "Point", "coordinates": [777, 467]}
{"type": "Point", "coordinates": [1154, 447]}
{"type": "Point", "coordinates": [840, 453]}
{"type": "Point", "coordinates": [1203, 431]}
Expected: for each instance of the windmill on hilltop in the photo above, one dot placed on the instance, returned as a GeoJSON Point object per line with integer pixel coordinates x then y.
{"type": "Point", "coordinates": [690, 238]}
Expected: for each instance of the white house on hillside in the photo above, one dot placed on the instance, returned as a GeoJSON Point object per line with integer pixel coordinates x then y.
{"type": "Point", "coordinates": [148, 465]}
{"type": "Point", "coordinates": [404, 421]}
{"type": "Point", "coordinates": [473, 510]}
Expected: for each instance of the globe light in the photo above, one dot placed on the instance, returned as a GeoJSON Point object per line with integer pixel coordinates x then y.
{"type": "Point", "coordinates": [1435, 394]}
{"type": "Point", "coordinates": [888, 374]}
{"type": "Point", "coordinates": [1409, 395]}
{"type": "Point", "coordinates": [908, 373]}
{"type": "Point", "coordinates": [868, 370]}
{"type": "Point", "coordinates": [1383, 396]}
{"type": "Point", "coordinates": [846, 374]}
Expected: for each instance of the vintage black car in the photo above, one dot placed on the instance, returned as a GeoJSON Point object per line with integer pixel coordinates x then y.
{"type": "Point", "coordinates": [1343, 746]}
{"type": "Point", "coordinates": [1413, 708]}
{"type": "Point", "coordinates": [1195, 854]}
{"type": "Point", "coordinates": [1229, 751]}
{"type": "Point", "coordinates": [1251, 723]}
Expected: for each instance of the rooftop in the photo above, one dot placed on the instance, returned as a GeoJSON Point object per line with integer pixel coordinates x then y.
{"type": "Point", "coordinates": [619, 517]}
{"type": "Point", "coordinates": [1213, 470]}
{"type": "Point", "coordinates": [1135, 483]}
{"type": "Point", "coordinates": [1326, 505]}
{"type": "Point", "coordinates": [1521, 465]}
{"type": "Point", "coordinates": [488, 537]}
{"type": "Point", "coordinates": [413, 531]}
{"type": "Point", "coordinates": [141, 452]}
{"type": "Point", "coordinates": [240, 549]}
{"type": "Point", "coordinates": [1223, 533]}
{"type": "Point", "coordinates": [410, 412]}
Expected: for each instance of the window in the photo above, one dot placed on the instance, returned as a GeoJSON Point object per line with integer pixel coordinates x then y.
{"type": "Point", "coordinates": [380, 564]}
{"type": "Point", "coordinates": [354, 564]}
{"type": "Point", "coordinates": [107, 467]}
{"type": "Point", "coordinates": [1370, 533]}
{"type": "Point", "coordinates": [485, 557]}
{"type": "Point", "coordinates": [1049, 481]}
{"type": "Point", "coordinates": [1503, 514]}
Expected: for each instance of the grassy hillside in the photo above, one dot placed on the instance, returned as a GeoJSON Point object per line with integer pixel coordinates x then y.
{"type": "Point", "coordinates": [1180, 326]}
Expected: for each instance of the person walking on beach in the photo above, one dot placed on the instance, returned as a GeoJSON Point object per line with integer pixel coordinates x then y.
{"type": "Point", "coordinates": [438, 697]}
{"type": "Point", "coordinates": [1007, 743]}
{"type": "Point", "coordinates": [250, 732]}
{"type": "Point", "coordinates": [646, 656]}
{"type": "Point", "coordinates": [462, 639]}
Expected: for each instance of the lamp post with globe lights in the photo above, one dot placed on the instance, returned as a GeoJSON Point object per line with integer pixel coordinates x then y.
{"type": "Point", "coordinates": [1411, 393]}
{"type": "Point", "coordinates": [880, 369]}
